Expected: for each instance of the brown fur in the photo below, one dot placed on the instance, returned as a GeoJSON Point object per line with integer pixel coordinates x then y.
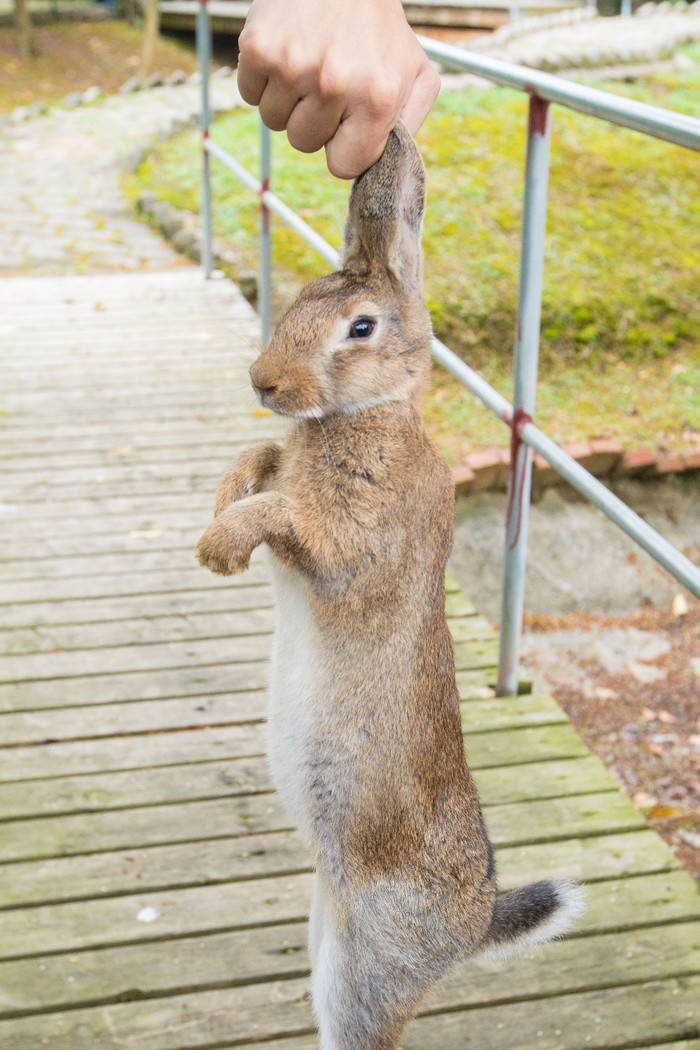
{"type": "Point", "coordinates": [366, 744]}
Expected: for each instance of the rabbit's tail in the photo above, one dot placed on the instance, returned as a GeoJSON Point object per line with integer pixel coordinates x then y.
{"type": "Point", "coordinates": [530, 916]}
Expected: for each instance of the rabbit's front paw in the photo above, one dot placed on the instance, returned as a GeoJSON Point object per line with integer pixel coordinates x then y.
{"type": "Point", "coordinates": [223, 551]}
{"type": "Point", "coordinates": [248, 475]}
{"type": "Point", "coordinates": [234, 487]}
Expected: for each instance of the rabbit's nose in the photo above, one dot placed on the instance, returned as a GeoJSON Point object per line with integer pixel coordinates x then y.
{"type": "Point", "coordinates": [264, 391]}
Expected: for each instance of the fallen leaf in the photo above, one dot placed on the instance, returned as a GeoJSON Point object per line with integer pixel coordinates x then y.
{"type": "Point", "coordinates": [601, 693]}
{"type": "Point", "coordinates": [648, 715]}
{"type": "Point", "coordinates": [259, 412]}
{"type": "Point", "coordinates": [679, 605]}
{"type": "Point", "coordinates": [664, 812]}
{"type": "Point", "coordinates": [667, 718]}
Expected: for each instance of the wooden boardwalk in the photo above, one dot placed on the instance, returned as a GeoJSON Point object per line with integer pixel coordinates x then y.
{"type": "Point", "coordinates": [152, 892]}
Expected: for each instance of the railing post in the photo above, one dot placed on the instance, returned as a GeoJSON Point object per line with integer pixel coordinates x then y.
{"type": "Point", "coordinates": [265, 275]}
{"type": "Point", "coordinates": [525, 387]}
{"type": "Point", "coordinates": [204, 58]}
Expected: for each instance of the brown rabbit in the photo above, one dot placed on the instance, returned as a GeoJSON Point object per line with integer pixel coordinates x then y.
{"type": "Point", "coordinates": [365, 741]}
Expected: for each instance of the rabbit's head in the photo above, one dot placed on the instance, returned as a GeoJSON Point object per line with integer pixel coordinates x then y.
{"type": "Point", "coordinates": [359, 337]}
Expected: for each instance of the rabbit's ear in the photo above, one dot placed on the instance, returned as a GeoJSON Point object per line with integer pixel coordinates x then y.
{"type": "Point", "coordinates": [385, 214]}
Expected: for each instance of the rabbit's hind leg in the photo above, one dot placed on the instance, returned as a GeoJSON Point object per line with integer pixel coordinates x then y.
{"type": "Point", "coordinates": [358, 1002]}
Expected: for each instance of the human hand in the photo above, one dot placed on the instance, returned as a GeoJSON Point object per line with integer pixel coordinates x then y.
{"type": "Point", "coordinates": [335, 73]}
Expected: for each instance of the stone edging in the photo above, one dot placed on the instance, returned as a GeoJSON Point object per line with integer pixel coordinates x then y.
{"type": "Point", "coordinates": [96, 94]}
{"type": "Point", "coordinates": [488, 469]}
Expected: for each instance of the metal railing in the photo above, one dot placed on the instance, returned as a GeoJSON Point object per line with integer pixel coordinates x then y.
{"type": "Point", "coordinates": [543, 89]}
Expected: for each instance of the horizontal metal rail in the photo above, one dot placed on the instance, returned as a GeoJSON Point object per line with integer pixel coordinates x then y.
{"type": "Point", "coordinates": [660, 123]}
{"type": "Point", "coordinates": [543, 89]}
{"type": "Point", "coordinates": [639, 530]}
{"type": "Point", "coordinates": [271, 201]}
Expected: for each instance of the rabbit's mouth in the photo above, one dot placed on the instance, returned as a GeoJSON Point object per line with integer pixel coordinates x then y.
{"type": "Point", "coordinates": [275, 401]}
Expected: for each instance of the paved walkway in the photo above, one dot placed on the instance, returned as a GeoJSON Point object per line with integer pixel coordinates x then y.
{"type": "Point", "coordinates": [63, 208]}
{"type": "Point", "coordinates": [579, 40]}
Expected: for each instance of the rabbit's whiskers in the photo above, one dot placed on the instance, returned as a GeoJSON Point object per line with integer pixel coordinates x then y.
{"type": "Point", "coordinates": [328, 447]}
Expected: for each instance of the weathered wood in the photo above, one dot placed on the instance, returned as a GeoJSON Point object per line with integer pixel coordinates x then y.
{"type": "Point", "coordinates": [508, 825]}
{"type": "Point", "coordinates": [87, 756]}
{"type": "Point", "coordinates": [196, 680]}
{"type": "Point", "coordinates": [151, 656]}
{"type": "Point", "coordinates": [649, 1011]}
{"type": "Point", "coordinates": [136, 606]}
{"type": "Point", "coordinates": [202, 624]}
{"type": "Point", "coordinates": [79, 637]}
{"type": "Point", "coordinates": [208, 900]}
{"type": "Point", "coordinates": [507, 747]}
{"type": "Point", "coordinates": [125, 580]}
{"type": "Point", "coordinates": [279, 952]}
{"type": "Point", "coordinates": [95, 792]}
{"type": "Point", "coordinates": [133, 717]}
{"type": "Point", "coordinates": [117, 719]}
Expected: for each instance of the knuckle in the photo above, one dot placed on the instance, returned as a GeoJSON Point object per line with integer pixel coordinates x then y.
{"type": "Point", "coordinates": [383, 97]}
{"type": "Point", "coordinates": [332, 84]}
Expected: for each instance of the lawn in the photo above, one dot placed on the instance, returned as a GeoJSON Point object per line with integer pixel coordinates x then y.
{"type": "Point", "coordinates": [620, 353]}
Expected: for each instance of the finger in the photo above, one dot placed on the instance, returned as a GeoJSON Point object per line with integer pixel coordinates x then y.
{"type": "Point", "coordinates": [425, 90]}
{"type": "Point", "coordinates": [277, 104]}
{"type": "Point", "coordinates": [312, 124]}
{"type": "Point", "coordinates": [356, 145]}
{"type": "Point", "coordinates": [250, 79]}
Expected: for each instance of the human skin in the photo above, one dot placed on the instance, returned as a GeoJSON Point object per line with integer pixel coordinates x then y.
{"type": "Point", "coordinates": [336, 74]}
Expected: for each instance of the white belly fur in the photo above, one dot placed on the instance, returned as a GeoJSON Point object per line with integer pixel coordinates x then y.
{"type": "Point", "coordinates": [293, 686]}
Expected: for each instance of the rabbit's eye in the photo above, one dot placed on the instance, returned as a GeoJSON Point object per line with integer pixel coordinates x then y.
{"type": "Point", "coordinates": [362, 328]}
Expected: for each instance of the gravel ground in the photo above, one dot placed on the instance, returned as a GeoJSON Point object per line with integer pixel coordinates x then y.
{"type": "Point", "coordinates": [632, 689]}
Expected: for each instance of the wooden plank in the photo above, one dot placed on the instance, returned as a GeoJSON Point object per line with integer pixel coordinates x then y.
{"type": "Point", "coordinates": [127, 686]}
{"type": "Point", "coordinates": [279, 952]}
{"type": "Point", "coordinates": [197, 680]}
{"type": "Point", "coordinates": [72, 723]}
{"type": "Point", "coordinates": [202, 624]}
{"type": "Point", "coordinates": [205, 900]}
{"type": "Point", "coordinates": [649, 1012]}
{"type": "Point", "coordinates": [146, 630]}
{"type": "Point", "coordinates": [95, 792]}
{"type": "Point", "coordinates": [606, 1018]}
{"type": "Point", "coordinates": [126, 829]}
{"type": "Point", "coordinates": [136, 752]}
{"type": "Point", "coordinates": [146, 656]}
{"type": "Point", "coordinates": [126, 580]}
{"type": "Point", "coordinates": [75, 723]}
{"type": "Point", "coordinates": [485, 750]}
{"type": "Point", "coordinates": [105, 609]}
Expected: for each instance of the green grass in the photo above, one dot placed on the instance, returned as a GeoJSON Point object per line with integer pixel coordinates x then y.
{"type": "Point", "coordinates": [620, 315]}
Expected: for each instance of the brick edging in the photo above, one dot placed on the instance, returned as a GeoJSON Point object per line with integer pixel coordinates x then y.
{"type": "Point", "coordinates": [488, 469]}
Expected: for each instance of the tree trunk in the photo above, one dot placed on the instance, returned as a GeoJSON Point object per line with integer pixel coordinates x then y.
{"type": "Point", "coordinates": [25, 31]}
{"type": "Point", "coordinates": [130, 11]}
{"type": "Point", "coordinates": [151, 27]}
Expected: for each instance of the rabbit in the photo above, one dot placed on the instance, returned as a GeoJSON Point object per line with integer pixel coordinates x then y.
{"type": "Point", "coordinates": [365, 740]}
